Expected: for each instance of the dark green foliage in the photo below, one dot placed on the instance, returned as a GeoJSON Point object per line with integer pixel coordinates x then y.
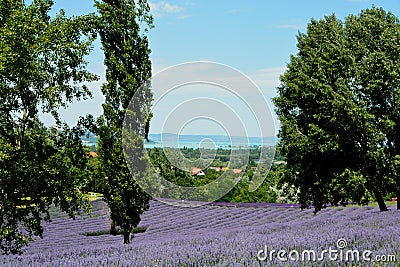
{"type": "Point", "coordinates": [265, 193]}
{"type": "Point", "coordinates": [42, 68]}
{"type": "Point", "coordinates": [96, 182]}
{"type": "Point", "coordinates": [162, 166]}
{"type": "Point", "coordinates": [338, 107]}
{"type": "Point", "coordinates": [136, 230]}
{"type": "Point", "coordinates": [182, 176]}
{"type": "Point", "coordinates": [147, 127]}
{"type": "Point", "coordinates": [128, 68]}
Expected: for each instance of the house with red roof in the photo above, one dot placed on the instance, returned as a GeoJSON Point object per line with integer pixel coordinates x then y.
{"type": "Point", "coordinates": [197, 172]}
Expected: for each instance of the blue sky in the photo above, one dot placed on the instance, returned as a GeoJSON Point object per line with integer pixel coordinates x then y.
{"type": "Point", "coordinates": [255, 37]}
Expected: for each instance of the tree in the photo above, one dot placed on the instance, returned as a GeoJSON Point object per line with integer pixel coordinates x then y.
{"type": "Point", "coordinates": [42, 68]}
{"type": "Point", "coordinates": [125, 46]}
{"type": "Point", "coordinates": [374, 38]}
{"type": "Point", "coordinates": [335, 134]}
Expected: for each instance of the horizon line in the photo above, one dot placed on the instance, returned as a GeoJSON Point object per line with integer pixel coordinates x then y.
{"type": "Point", "coordinates": [210, 135]}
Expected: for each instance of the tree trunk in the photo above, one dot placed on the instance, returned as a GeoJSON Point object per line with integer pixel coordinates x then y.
{"type": "Point", "coordinates": [146, 130]}
{"type": "Point", "coordinates": [112, 228]}
{"type": "Point", "coordinates": [380, 200]}
{"type": "Point", "coordinates": [126, 236]}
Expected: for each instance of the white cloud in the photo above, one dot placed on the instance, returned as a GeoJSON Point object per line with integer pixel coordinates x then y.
{"type": "Point", "coordinates": [268, 79]}
{"type": "Point", "coordinates": [162, 8]}
{"type": "Point", "coordinates": [291, 26]}
{"type": "Point", "coordinates": [185, 16]}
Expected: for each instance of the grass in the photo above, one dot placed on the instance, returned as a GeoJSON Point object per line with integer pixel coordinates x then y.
{"type": "Point", "coordinates": [389, 204]}
{"type": "Point", "coordinates": [93, 196]}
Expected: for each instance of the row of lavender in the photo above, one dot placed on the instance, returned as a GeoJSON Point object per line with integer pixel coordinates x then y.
{"type": "Point", "coordinates": [215, 236]}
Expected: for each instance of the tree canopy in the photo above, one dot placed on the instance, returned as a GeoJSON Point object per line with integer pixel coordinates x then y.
{"type": "Point", "coordinates": [42, 68]}
{"type": "Point", "coordinates": [338, 104]}
{"type": "Point", "coordinates": [122, 26]}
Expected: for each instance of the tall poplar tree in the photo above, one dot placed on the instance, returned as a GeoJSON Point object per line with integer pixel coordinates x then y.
{"type": "Point", "coordinates": [123, 27]}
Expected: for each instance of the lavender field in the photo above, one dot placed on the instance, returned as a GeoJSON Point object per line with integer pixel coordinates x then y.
{"type": "Point", "coordinates": [216, 236]}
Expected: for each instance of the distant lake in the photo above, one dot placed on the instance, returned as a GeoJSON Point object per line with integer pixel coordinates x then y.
{"type": "Point", "coordinates": [90, 140]}
{"type": "Point", "coordinates": [208, 141]}
{"type": "Point", "coordinates": [196, 141]}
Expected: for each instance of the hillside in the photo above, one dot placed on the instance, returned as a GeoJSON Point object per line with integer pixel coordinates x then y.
{"type": "Point", "coordinates": [213, 236]}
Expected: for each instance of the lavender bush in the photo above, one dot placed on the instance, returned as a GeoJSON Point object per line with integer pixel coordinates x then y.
{"type": "Point", "coordinates": [215, 236]}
